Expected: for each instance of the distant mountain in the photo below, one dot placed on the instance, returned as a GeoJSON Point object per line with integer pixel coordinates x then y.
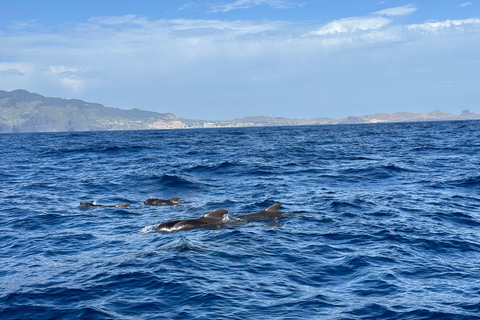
{"type": "Point", "coordinates": [436, 115]}
{"type": "Point", "coordinates": [23, 111]}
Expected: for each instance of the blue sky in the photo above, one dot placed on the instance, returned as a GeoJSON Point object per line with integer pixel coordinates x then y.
{"type": "Point", "coordinates": [224, 59]}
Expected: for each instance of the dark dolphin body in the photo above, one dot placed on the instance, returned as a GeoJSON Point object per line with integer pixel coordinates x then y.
{"type": "Point", "coordinates": [161, 202]}
{"type": "Point", "coordinates": [270, 212]}
{"type": "Point", "coordinates": [211, 218]}
{"type": "Point", "coordinates": [90, 204]}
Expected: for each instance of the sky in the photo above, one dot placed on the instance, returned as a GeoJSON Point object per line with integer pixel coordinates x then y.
{"type": "Point", "coordinates": [226, 59]}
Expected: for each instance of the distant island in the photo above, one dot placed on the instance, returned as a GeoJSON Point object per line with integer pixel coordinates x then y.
{"type": "Point", "coordinates": [23, 111]}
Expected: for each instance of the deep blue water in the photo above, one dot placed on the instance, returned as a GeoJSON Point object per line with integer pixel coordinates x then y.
{"type": "Point", "coordinates": [385, 223]}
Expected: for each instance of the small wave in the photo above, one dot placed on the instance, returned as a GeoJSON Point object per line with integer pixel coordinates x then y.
{"type": "Point", "coordinates": [470, 182]}
{"type": "Point", "coordinates": [185, 244]}
{"type": "Point", "coordinates": [457, 217]}
{"type": "Point", "coordinates": [430, 148]}
{"type": "Point", "coordinates": [472, 307]}
{"type": "Point", "coordinates": [48, 312]}
{"type": "Point", "coordinates": [171, 182]}
{"type": "Point", "coordinates": [214, 167]}
{"type": "Point", "coordinates": [376, 171]}
{"type": "Point", "coordinates": [92, 150]}
{"type": "Point", "coordinates": [449, 247]}
{"type": "Point", "coordinates": [375, 288]}
{"type": "Point", "coordinates": [343, 205]}
{"type": "Point", "coordinates": [259, 172]}
{"type": "Point", "coordinates": [222, 203]}
{"type": "Point", "coordinates": [176, 181]}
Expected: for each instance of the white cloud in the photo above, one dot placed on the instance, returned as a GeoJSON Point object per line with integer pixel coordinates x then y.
{"type": "Point", "coordinates": [61, 70]}
{"type": "Point", "coordinates": [189, 6]}
{"type": "Point", "coordinates": [365, 23]}
{"type": "Point", "coordinates": [175, 28]}
{"type": "Point", "coordinates": [437, 26]}
{"type": "Point", "coordinates": [17, 69]}
{"type": "Point", "coordinates": [245, 4]}
{"type": "Point", "coordinates": [215, 26]}
{"type": "Point", "coordinates": [464, 4]}
{"type": "Point", "coordinates": [68, 77]}
{"type": "Point", "coordinates": [354, 24]}
{"type": "Point", "coordinates": [120, 20]}
{"type": "Point", "coordinates": [191, 67]}
{"type": "Point", "coordinates": [23, 25]}
{"type": "Point", "coordinates": [397, 11]}
{"type": "Point", "coordinates": [72, 84]}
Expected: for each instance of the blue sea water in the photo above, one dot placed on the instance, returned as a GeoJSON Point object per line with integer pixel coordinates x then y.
{"type": "Point", "coordinates": [384, 223]}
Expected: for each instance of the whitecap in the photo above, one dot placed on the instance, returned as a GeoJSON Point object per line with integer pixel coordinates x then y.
{"type": "Point", "coordinates": [148, 229]}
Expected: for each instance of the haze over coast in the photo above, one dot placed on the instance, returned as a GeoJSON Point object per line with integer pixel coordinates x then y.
{"type": "Point", "coordinates": [23, 111]}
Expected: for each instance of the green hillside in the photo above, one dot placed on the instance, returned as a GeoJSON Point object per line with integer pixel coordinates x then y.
{"type": "Point", "coordinates": [22, 111]}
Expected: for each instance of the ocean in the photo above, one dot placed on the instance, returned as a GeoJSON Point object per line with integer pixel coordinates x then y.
{"type": "Point", "coordinates": [383, 223]}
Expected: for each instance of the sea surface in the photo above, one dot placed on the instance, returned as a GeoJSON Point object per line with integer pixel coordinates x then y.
{"type": "Point", "coordinates": [383, 223]}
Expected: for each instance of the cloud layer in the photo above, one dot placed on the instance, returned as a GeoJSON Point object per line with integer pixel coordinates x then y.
{"type": "Point", "coordinates": [218, 69]}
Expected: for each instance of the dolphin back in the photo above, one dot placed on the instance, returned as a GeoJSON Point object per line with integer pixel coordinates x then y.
{"type": "Point", "coordinates": [270, 212]}
{"type": "Point", "coordinates": [210, 218]}
{"type": "Point", "coordinates": [216, 214]}
{"type": "Point", "coordinates": [167, 226]}
{"type": "Point", "coordinates": [274, 207]}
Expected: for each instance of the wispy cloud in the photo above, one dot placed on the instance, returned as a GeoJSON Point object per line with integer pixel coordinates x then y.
{"type": "Point", "coordinates": [354, 24]}
{"type": "Point", "coordinates": [398, 11]}
{"type": "Point", "coordinates": [464, 4]}
{"type": "Point", "coordinates": [374, 21]}
{"type": "Point", "coordinates": [438, 26]}
{"type": "Point", "coordinates": [14, 69]}
{"type": "Point", "coordinates": [68, 77]}
{"type": "Point", "coordinates": [245, 4]}
{"type": "Point", "coordinates": [189, 6]}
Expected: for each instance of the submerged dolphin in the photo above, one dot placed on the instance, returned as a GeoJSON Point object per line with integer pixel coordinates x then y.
{"type": "Point", "coordinates": [211, 218]}
{"type": "Point", "coordinates": [160, 202]}
{"type": "Point", "coordinates": [270, 212]}
{"type": "Point", "coordinates": [92, 204]}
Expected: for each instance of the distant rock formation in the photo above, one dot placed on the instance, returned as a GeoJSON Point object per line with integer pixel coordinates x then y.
{"type": "Point", "coordinates": [467, 115]}
{"type": "Point", "coordinates": [23, 111]}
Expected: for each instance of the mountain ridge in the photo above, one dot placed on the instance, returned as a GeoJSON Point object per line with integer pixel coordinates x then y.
{"type": "Point", "coordinates": [23, 111]}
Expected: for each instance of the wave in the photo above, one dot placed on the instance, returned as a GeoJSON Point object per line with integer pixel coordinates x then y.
{"type": "Point", "coordinates": [221, 167]}
{"type": "Point", "coordinates": [457, 217]}
{"type": "Point", "coordinates": [35, 311]}
{"type": "Point", "coordinates": [170, 182]}
{"type": "Point", "coordinates": [469, 182]}
{"type": "Point", "coordinates": [372, 172]}
{"type": "Point", "coordinates": [89, 149]}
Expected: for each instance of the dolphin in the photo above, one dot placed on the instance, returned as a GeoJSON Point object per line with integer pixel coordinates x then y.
{"type": "Point", "coordinates": [270, 212]}
{"type": "Point", "coordinates": [161, 202]}
{"type": "Point", "coordinates": [211, 218]}
{"type": "Point", "coordinates": [93, 204]}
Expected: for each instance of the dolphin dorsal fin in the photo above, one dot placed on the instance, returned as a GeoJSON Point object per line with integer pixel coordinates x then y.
{"type": "Point", "coordinates": [274, 207]}
{"type": "Point", "coordinates": [216, 214]}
